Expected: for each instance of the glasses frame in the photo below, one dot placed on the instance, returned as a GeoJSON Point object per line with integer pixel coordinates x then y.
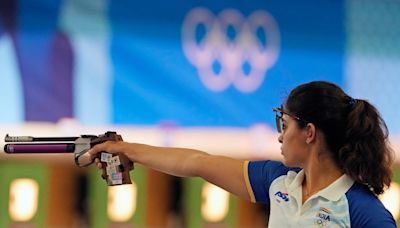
{"type": "Point", "coordinates": [279, 119]}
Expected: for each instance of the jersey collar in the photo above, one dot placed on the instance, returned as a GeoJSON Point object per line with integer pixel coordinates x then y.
{"type": "Point", "coordinates": [337, 189]}
{"type": "Point", "coordinates": [333, 192]}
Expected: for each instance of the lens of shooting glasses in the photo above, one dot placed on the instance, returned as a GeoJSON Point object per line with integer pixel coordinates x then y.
{"type": "Point", "coordinates": [278, 120]}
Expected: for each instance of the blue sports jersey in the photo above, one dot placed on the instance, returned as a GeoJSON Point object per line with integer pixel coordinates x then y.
{"type": "Point", "coordinates": [344, 203]}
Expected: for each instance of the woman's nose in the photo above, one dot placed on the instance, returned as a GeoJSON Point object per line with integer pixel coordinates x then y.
{"type": "Point", "coordinates": [280, 138]}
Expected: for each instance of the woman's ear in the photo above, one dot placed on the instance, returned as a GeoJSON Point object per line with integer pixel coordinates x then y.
{"type": "Point", "coordinates": [311, 133]}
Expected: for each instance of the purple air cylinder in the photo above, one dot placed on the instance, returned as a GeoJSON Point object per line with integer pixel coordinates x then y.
{"type": "Point", "coordinates": [39, 148]}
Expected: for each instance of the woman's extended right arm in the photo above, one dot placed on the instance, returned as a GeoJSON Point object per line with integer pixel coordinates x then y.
{"type": "Point", "coordinates": [224, 172]}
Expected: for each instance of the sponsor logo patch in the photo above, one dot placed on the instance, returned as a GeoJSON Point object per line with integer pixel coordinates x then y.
{"type": "Point", "coordinates": [279, 196]}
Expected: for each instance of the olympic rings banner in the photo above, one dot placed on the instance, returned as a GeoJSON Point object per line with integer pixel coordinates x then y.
{"type": "Point", "coordinates": [208, 63]}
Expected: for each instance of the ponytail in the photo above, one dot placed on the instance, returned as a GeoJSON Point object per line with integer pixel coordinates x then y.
{"type": "Point", "coordinates": [366, 155]}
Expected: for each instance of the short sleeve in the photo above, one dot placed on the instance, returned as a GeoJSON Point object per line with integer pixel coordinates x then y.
{"type": "Point", "coordinates": [258, 177]}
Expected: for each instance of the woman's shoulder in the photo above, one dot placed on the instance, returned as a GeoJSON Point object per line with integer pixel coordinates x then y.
{"type": "Point", "coordinates": [273, 164]}
{"type": "Point", "coordinates": [366, 209]}
{"type": "Point", "coordinates": [271, 167]}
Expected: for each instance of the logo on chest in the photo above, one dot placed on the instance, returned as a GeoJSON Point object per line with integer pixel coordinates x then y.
{"type": "Point", "coordinates": [281, 196]}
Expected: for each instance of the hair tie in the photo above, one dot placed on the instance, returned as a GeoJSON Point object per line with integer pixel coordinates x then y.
{"type": "Point", "coordinates": [352, 102]}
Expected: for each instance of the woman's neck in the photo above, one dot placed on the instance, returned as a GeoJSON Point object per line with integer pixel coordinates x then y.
{"type": "Point", "coordinates": [319, 173]}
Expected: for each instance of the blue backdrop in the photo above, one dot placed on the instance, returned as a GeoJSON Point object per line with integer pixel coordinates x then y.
{"type": "Point", "coordinates": [195, 63]}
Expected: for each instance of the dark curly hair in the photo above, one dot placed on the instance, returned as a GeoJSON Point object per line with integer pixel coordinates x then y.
{"type": "Point", "coordinates": [356, 134]}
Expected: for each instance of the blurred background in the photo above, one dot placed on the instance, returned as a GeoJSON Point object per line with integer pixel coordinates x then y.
{"type": "Point", "coordinates": [198, 74]}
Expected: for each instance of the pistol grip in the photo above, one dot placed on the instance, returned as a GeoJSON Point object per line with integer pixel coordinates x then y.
{"type": "Point", "coordinates": [116, 168]}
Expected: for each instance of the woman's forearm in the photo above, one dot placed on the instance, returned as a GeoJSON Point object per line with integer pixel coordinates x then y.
{"type": "Point", "coordinates": [222, 171]}
{"type": "Point", "coordinates": [174, 161]}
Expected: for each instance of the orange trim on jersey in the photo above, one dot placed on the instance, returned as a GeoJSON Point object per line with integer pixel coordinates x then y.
{"type": "Point", "coordinates": [247, 181]}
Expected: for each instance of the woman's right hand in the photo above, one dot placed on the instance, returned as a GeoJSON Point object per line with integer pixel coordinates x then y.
{"type": "Point", "coordinates": [111, 147]}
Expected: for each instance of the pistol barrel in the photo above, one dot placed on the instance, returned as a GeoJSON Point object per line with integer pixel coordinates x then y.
{"type": "Point", "coordinates": [38, 139]}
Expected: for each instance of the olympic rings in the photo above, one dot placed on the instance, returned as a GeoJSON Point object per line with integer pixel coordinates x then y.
{"type": "Point", "coordinates": [232, 53]}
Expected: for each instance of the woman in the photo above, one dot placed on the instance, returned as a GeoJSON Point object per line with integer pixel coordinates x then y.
{"type": "Point", "coordinates": [336, 160]}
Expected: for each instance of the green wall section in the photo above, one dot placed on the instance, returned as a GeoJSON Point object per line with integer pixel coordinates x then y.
{"type": "Point", "coordinates": [12, 171]}
{"type": "Point", "coordinates": [98, 199]}
{"type": "Point", "coordinates": [192, 205]}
